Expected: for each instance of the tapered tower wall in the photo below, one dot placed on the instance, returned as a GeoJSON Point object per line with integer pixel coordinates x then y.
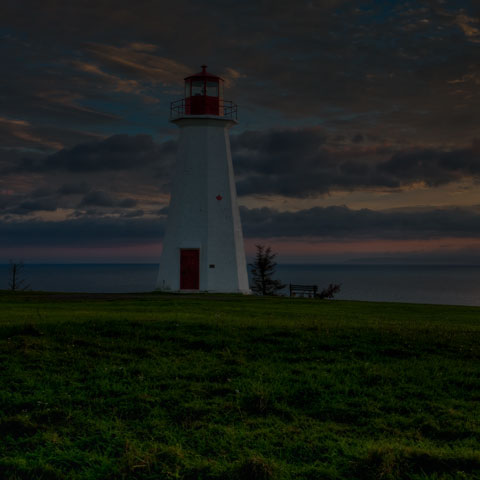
{"type": "Point", "coordinates": [203, 212]}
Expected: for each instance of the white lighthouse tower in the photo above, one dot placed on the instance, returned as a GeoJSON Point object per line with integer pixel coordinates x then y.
{"type": "Point", "coordinates": [203, 243]}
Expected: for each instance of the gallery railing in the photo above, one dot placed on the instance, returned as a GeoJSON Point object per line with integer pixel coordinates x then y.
{"type": "Point", "coordinates": [183, 107]}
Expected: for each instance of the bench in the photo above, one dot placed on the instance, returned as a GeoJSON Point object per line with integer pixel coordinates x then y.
{"type": "Point", "coordinates": [305, 290]}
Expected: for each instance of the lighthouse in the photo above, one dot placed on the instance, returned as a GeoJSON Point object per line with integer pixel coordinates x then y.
{"type": "Point", "coordinates": [203, 243]}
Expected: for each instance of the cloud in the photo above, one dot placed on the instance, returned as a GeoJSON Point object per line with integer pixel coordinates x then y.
{"type": "Point", "coordinates": [67, 103]}
{"type": "Point", "coordinates": [127, 203]}
{"type": "Point", "coordinates": [137, 59]}
{"type": "Point", "coordinates": [117, 173]}
{"type": "Point", "coordinates": [337, 223]}
{"type": "Point", "coordinates": [28, 206]}
{"type": "Point", "coordinates": [100, 198]}
{"type": "Point", "coordinates": [118, 152]}
{"type": "Point", "coordinates": [117, 83]}
{"type": "Point", "coordinates": [15, 132]}
{"type": "Point", "coordinates": [42, 191]}
{"type": "Point", "coordinates": [382, 68]}
{"type": "Point", "coordinates": [74, 188]}
{"type": "Point", "coordinates": [396, 82]}
{"type": "Point", "coordinates": [469, 26]}
{"type": "Point", "coordinates": [343, 223]}
{"type": "Point", "coordinates": [302, 163]}
{"type": "Point", "coordinates": [133, 213]}
{"type": "Point", "coordinates": [434, 167]}
{"type": "Point", "coordinates": [296, 163]}
{"type": "Point", "coordinates": [290, 162]}
{"type": "Point", "coordinates": [46, 199]}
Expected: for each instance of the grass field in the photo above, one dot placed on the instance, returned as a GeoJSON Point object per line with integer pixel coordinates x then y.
{"type": "Point", "coordinates": [229, 387]}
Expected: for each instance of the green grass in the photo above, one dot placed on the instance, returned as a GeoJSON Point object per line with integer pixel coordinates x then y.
{"type": "Point", "coordinates": [229, 387]}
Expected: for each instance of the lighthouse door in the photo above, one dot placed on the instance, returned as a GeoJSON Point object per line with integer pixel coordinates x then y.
{"type": "Point", "coordinates": [189, 269]}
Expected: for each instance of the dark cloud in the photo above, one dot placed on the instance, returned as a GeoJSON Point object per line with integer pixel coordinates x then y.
{"type": "Point", "coordinates": [110, 173]}
{"type": "Point", "coordinates": [119, 152]}
{"type": "Point", "coordinates": [277, 150]}
{"type": "Point", "coordinates": [107, 173]}
{"type": "Point", "coordinates": [342, 223]}
{"type": "Point", "coordinates": [43, 191]}
{"type": "Point", "coordinates": [73, 188]}
{"type": "Point", "coordinates": [331, 223]}
{"type": "Point", "coordinates": [98, 198]}
{"type": "Point", "coordinates": [298, 162]}
{"type": "Point", "coordinates": [127, 203]}
{"type": "Point", "coordinates": [28, 206]}
{"type": "Point", "coordinates": [283, 162]}
{"type": "Point", "coordinates": [301, 163]}
{"type": "Point", "coordinates": [434, 167]}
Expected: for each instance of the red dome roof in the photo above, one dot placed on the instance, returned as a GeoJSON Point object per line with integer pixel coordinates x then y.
{"type": "Point", "coordinates": [204, 74]}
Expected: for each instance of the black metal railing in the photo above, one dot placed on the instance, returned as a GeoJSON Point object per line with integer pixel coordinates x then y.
{"type": "Point", "coordinates": [180, 108]}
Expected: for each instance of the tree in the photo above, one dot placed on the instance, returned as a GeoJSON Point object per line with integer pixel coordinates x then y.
{"type": "Point", "coordinates": [16, 276]}
{"type": "Point", "coordinates": [330, 291]}
{"type": "Point", "coordinates": [263, 269]}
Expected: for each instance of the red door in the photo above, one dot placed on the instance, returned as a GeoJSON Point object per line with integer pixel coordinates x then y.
{"type": "Point", "coordinates": [189, 269]}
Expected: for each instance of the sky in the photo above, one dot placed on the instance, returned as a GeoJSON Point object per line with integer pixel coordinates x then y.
{"type": "Point", "coordinates": [358, 136]}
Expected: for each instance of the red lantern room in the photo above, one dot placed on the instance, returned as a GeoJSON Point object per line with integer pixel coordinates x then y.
{"type": "Point", "coordinates": [203, 96]}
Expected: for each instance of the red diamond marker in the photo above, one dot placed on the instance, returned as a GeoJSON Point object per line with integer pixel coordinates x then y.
{"type": "Point", "coordinates": [218, 197]}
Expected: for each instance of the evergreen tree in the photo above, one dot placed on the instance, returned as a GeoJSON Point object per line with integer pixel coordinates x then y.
{"type": "Point", "coordinates": [330, 291]}
{"type": "Point", "coordinates": [263, 269]}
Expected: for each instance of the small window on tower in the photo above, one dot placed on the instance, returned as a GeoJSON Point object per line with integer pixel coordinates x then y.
{"type": "Point", "coordinates": [212, 89]}
{"type": "Point", "coordinates": [198, 88]}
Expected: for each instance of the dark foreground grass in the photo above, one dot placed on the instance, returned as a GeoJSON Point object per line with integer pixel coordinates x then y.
{"type": "Point", "coordinates": [228, 387]}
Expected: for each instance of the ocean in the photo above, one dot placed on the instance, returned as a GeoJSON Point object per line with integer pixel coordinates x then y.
{"type": "Point", "coordinates": [434, 284]}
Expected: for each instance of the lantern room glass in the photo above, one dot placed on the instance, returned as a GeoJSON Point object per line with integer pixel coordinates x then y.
{"type": "Point", "coordinates": [198, 88]}
{"type": "Point", "coordinates": [212, 88]}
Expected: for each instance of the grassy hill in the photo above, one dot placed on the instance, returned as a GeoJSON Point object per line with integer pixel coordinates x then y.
{"type": "Point", "coordinates": [230, 387]}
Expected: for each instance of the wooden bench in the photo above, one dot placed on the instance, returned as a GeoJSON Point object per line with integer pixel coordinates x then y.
{"type": "Point", "coordinates": [305, 290]}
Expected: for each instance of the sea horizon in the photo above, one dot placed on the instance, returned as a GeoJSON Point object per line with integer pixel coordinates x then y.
{"type": "Point", "coordinates": [443, 284]}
